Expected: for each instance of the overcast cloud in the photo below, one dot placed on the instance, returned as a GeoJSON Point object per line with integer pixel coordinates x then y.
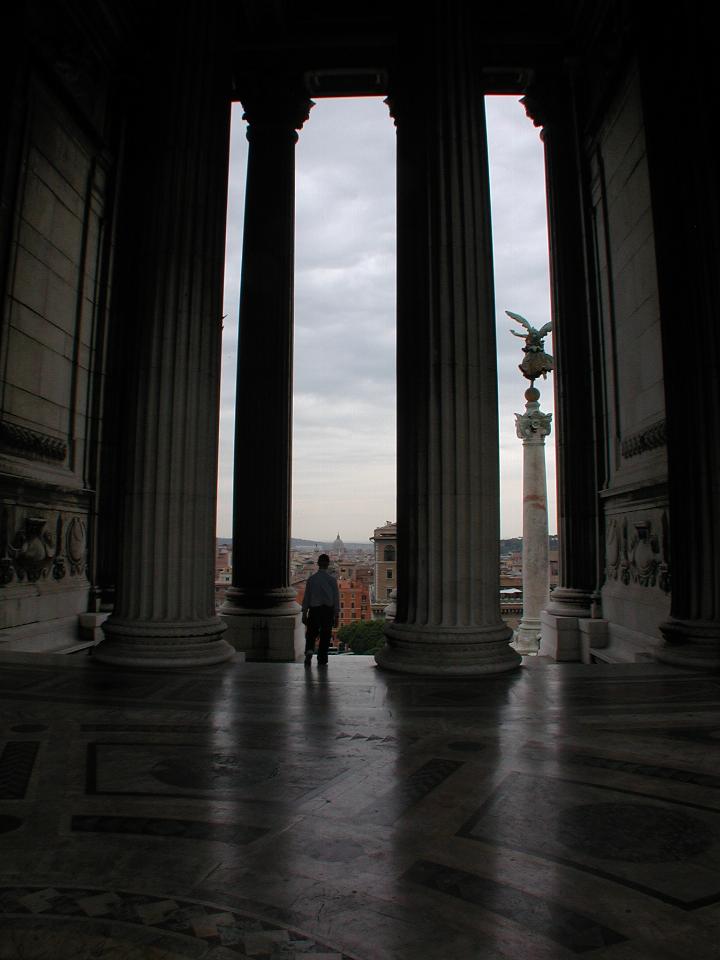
{"type": "Point", "coordinates": [344, 399]}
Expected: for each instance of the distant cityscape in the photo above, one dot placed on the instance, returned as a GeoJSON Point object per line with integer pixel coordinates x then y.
{"type": "Point", "coordinates": [367, 574]}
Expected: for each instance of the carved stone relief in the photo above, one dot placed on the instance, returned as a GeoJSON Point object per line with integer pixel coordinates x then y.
{"type": "Point", "coordinates": [40, 549]}
{"type": "Point", "coordinates": [75, 545]}
{"type": "Point", "coordinates": [637, 553]}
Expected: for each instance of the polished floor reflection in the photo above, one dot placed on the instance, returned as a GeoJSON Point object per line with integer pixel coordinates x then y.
{"type": "Point", "coordinates": [269, 811]}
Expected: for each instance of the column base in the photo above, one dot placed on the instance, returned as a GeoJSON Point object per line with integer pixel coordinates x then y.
{"type": "Point", "coordinates": [268, 603]}
{"type": "Point", "coordinates": [694, 644]}
{"type": "Point", "coordinates": [265, 636]}
{"type": "Point", "coordinates": [570, 602]}
{"type": "Point", "coordinates": [449, 652]}
{"type": "Point", "coordinates": [527, 637]}
{"type": "Point", "coordinates": [134, 644]}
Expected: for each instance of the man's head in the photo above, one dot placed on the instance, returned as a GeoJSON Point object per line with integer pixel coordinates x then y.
{"type": "Point", "coordinates": [323, 561]}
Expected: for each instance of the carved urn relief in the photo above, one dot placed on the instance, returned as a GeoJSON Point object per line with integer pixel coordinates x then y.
{"type": "Point", "coordinates": [32, 550]}
{"type": "Point", "coordinates": [636, 553]}
{"type": "Point", "coordinates": [41, 548]}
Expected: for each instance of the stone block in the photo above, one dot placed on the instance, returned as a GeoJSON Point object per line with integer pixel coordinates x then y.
{"type": "Point", "coordinates": [559, 637]}
{"type": "Point", "coordinates": [90, 626]}
{"type": "Point", "coordinates": [48, 636]}
{"type": "Point", "coordinates": [593, 636]}
{"type": "Point", "coordinates": [280, 638]}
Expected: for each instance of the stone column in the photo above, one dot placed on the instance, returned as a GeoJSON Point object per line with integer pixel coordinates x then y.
{"type": "Point", "coordinates": [170, 281]}
{"type": "Point", "coordinates": [448, 612]}
{"type": "Point", "coordinates": [549, 103]}
{"type": "Point", "coordinates": [532, 428]}
{"type": "Point", "coordinates": [260, 609]}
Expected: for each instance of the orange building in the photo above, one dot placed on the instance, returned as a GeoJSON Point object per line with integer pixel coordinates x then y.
{"type": "Point", "coordinates": [354, 602]}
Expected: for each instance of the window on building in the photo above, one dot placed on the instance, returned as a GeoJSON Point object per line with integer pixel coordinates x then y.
{"type": "Point", "coordinates": [389, 553]}
{"type": "Point", "coordinates": [388, 574]}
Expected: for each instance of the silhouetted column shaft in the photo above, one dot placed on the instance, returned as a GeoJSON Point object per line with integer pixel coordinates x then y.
{"type": "Point", "coordinates": [448, 616]}
{"type": "Point", "coordinates": [550, 106]}
{"type": "Point", "coordinates": [171, 279]}
{"type": "Point", "coordinates": [263, 425]}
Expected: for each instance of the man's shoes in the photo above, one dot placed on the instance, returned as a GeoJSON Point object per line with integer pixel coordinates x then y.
{"type": "Point", "coordinates": [322, 663]}
{"type": "Point", "coordinates": [308, 659]}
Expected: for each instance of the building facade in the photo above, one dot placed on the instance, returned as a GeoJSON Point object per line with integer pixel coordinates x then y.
{"type": "Point", "coordinates": [385, 562]}
{"type": "Point", "coordinates": [354, 602]}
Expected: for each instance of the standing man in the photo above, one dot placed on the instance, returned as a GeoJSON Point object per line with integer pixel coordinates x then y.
{"type": "Point", "coordinates": [320, 610]}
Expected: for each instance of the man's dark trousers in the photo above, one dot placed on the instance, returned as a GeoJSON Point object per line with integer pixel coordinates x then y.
{"type": "Point", "coordinates": [320, 622]}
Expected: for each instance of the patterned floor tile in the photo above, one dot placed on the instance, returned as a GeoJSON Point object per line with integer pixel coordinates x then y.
{"type": "Point", "coordinates": [16, 766]}
{"type": "Point", "coordinates": [574, 931]}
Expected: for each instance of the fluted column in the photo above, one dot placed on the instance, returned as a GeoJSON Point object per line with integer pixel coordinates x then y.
{"type": "Point", "coordinates": [448, 613]}
{"type": "Point", "coordinates": [170, 276]}
{"type": "Point", "coordinates": [532, 427]}
{"type": "Point", "coordinates": [549, 104]}
{"type": "Point", "coordinates": [263, 420]}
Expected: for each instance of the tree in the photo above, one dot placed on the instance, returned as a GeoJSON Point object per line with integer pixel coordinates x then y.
{"type": "Point", "coordinates": [363, 636]}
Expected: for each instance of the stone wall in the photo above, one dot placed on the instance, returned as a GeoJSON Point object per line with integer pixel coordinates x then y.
{"type": "Point", "coordinates": [55, 295]}
{"type": "Point", "coordinates": [635, 590]}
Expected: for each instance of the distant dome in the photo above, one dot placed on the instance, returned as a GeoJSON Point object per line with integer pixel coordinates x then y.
{"type": "Point", "coordinates": [338, 546]}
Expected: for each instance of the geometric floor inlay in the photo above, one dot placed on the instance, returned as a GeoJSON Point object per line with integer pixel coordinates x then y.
{"type": "Point", "coordinates": [413, 788]}
{"type": "Point", "coordinates": [650, 844]}
{"type": "Point", "coordinates": [196, 770]}
{"type": "Point", "coordinates": [16, 765]}
{"type": "Point", "coordinates": [9, 823]}
{"type": "Point", "coordinates": [236, 833]}
{"type": "Point", "coordinates": [278, 805]}
{"type": "Point", "coordinates": [644, 769]}
{"type": "Point", "coordinates": [571, 930]}
{"type": "Point", "coordinates": [660, 835]}
{"type": "Point", "coordinates": [180, 920]}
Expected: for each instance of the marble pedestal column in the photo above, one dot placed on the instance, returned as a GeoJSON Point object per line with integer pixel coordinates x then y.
{"type": "Point", "coordinates": [260, 608]}
{"type": "Point", "coordinates": [549, 103]}
{"type": "Point", "coordinates": [170, 278]}
{"type": "Point", "coordinates": [532, 428]}
{"type": "Point", "coordinates": [448, 611]}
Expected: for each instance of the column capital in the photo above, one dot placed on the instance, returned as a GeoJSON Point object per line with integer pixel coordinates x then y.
{"type": "Point", "coordinates": [407, 103]}
{"type": "Point", "coordinates": [546, 96]}
{"type": "Point", "coordinates": [276, 105]}
{"type": "Point", "coordinates": [533, 425]}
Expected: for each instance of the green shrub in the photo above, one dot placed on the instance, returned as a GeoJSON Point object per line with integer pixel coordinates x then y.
{"type": "Point", "coordinates": [363, 636]}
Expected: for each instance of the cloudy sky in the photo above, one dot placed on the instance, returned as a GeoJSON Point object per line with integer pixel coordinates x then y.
{"type": "Point", "coordinates": [344, 398]}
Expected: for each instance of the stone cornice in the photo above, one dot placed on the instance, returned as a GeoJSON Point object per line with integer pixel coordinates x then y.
{"type": "Point", "coordinates": [644, 440]}
{"type": "Point", "coordinates": [32, 443]}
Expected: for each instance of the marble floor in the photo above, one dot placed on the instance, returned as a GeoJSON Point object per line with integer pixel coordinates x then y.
{"type": "Point", "coordinates": [268, 811]}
